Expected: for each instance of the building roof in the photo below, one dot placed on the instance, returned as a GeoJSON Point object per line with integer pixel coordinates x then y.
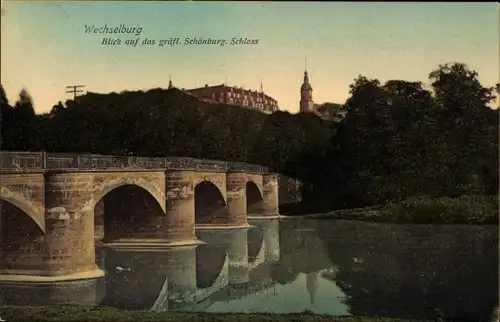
{"type": "Point", "coordinates": [233, 89]}
{"type": "Point", "coordinates": [306, 86]}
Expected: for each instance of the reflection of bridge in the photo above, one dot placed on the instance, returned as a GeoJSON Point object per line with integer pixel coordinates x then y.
{"type": "Point", "coordinates": [232, 264]}
{"type": "Point", "coordinates": [194, 276]}
{"type": "Point", "coordinates": [55, 206]}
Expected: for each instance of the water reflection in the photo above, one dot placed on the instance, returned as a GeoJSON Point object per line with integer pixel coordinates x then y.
{"type": "Point", "coordinates": [77, 292]}
{"type": "Point", "coordinates": [333, 267]}
{"type": "Point", "coordinates": [417, 271]}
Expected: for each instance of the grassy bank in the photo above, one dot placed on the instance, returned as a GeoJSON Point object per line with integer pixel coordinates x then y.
{"type": "Point", "coordinates": [475, 210]}
{"type": "Point", "coordinates": [94, 314]}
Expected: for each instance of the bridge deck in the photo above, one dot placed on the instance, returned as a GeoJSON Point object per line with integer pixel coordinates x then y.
{"type": "Point", "coordinates": [11, 161]}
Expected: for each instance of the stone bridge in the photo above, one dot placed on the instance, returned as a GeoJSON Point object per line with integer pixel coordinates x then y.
{"type": "Point", "coordinates": [230, 264]}
{"type": "Point", "coordinates": [56, 207]}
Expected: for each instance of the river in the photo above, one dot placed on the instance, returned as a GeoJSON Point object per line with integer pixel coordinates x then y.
{"type": "Point", "coordinates": [335, 267]}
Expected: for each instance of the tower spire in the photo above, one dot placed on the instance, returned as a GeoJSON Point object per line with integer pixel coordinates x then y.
{"type": "Point", "coordinates": [312, 285]}
{"type": "Point", "coordinates": [261, 85]}
{"type": "Point", "coordinates": [306, 76]}
{"type": "Point", "coordinates": [170, 81]}
{"type": "Point", "coordinates": [306, 101]}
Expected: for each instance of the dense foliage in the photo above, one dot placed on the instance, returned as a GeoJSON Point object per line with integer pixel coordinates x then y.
{"type": "Point", "coordinates": [397, 140]}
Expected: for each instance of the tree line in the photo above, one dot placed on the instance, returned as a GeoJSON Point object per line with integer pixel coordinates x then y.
{"type": "Point", "coordinates": [397, 139]}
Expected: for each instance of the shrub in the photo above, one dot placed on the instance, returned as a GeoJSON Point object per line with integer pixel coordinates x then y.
{"type": "Point", "coordinates": [459, 210]}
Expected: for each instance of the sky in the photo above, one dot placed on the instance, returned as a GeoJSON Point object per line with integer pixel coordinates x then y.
{"type": "Point", "coordinates": [290, 298]}
{"type": "Point", "coordinates": [44, 46]}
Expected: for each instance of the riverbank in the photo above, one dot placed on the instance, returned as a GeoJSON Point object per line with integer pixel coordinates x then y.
{"type": "Point", "coordinates": [472, 210]}
{"type": "Point", "coordinates": [98, 314]}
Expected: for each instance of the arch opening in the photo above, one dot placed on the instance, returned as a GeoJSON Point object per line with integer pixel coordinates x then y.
{"type": "Point", "coordinates": [210, 261]}
{"type": "Point", "coordinates": [127, 211]}
{"type": "Point", "coordinates": [254, 198]}
{"type": "Point", "coordinates": [209, 204]}
{"type": "Point", "coordinates": [20, 238]}
{"type": "Point", "coordinates": [255, 243]}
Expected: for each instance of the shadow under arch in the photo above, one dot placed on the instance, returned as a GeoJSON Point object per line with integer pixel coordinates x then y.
{"type": "Point", "coordinates": [209, 204]}
{"type": "Point", "coordinates": [254, 198]}
{"type": "Point", "coordinates": [210, 260]}
{"type": "Point", "coordinates": [255, 237]}
{"type": "Point", "coordinates": [20, 237]}
{"type": "Point", "coordinates": [127, 211]}
{"type": "Point", "coordinates": [37, 214]}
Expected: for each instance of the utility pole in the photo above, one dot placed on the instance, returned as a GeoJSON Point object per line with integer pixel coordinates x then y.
{"type": "Point", "coordinates": [74, 89]}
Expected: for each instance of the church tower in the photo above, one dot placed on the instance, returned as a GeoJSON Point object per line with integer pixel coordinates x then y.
{"type": "Point", "coordinates": [170, 85]}
{"type": "Point", "coordinates": [312, 284]}
{"type": "Point", "coordinates": [306, 91]}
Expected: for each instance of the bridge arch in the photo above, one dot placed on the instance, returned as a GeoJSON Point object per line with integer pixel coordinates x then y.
{"type": "Point", "coordinates": [210, 203]}
{"type": "Point", "coordinates": [36, 213]}
{"type": "Point", "coordinates": [21, 237]}
{"type": "Point", "coordinates": [110, 185]}
{"type": "Point", "coordinates": [254, 198]}
{"type": "Point", "coordinates": [126, 209]}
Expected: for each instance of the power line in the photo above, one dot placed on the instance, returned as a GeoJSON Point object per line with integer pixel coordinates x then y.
{"type": "Point", "coordinates": [74, 89]}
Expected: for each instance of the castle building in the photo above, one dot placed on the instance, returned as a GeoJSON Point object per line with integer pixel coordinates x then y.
{"type": "Point", "coordinates": [223, 94]}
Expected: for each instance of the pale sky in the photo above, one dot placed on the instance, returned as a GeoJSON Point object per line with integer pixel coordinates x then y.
{"type": "Point", "coordinates": [44, 46]}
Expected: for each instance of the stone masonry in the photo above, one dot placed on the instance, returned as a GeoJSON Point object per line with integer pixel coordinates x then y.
{"type": "Point", "coordinates": [62, 204]}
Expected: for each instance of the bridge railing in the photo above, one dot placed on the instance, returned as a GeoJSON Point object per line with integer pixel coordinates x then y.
{"type": "Point", "coordinates": [21, 160]}
{"type": "Point", "coordinates": [244, 167]}
{"type": "Point", "coordinates": [38, 161]}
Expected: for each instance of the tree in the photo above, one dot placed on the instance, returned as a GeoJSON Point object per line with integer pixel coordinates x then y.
{"type": "Point", "coordinates": [470, 138]}
{"type": "Point", "coordinates": [19, 124]}
{"type": "Point", "coordinates": [363, 142]}
{"type": "Point", "coordinates": [457, 89]}
{"type": "Point", "coordinates": [332, 111]}
{"type": "Point", "coordinates": [57, 109]}
{"type": "Point", "coordinates": [24, 104]}
{"type": "Point", "coordinates": [3, 97]}
{"type": "Point", "coordinates": [396, 140]}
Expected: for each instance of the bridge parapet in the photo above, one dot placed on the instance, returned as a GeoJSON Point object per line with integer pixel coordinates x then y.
{"type": "Point", "coordinates": [236, 166]}
{"type": "Point", "coordinates": [41, 161]}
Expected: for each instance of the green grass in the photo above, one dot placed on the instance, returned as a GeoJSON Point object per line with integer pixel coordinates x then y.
{"type": "Point", "coordinates": [97, 314]}
{"type": "Point", "coordinates": [474, 210]}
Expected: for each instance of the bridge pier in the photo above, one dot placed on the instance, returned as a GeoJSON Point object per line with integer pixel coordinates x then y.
{"type": "Point", "coordinates": [66, 251]}
{"type": "Point", "coordinates": [233, 242]}
{"type": "Point", "coordinates": [179, 221]}
{"type": "Point", "coordinates": [234, 214]}
{"type": "Point", "coordinates": [181, 273]}
{"type": "Point", "coordinates": [270, 202]}
{"type": "Point", "coordinates": [236, 199]}
{"type": "Point", "coordinates": [238, 256]}
{"type": "Point", "coordinates": [271, 232]}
